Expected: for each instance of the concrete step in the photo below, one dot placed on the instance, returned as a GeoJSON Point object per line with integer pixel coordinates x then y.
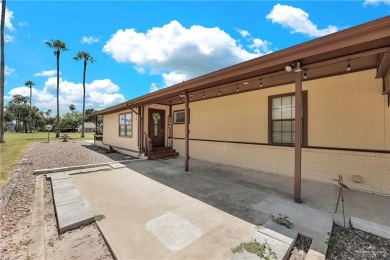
{"type": "Point", "coordinates": [279, 238]}
{"type": "Point", "coordinates": [163, 155]}
{"type": "Point", "coordinates": [162, 151]}
{"type": "Point", "coordinates": [72, 210]}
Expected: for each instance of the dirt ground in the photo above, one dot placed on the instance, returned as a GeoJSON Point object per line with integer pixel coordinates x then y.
{"type": "Point", "coordinates": [81, 243]}
{"type": "Point", "coordinates": [84, 243]}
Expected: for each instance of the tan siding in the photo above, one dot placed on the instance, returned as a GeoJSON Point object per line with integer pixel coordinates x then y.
{"type": "Point", "coordinates": [111, 132]}
{"type": "Point", "coordinates": [347, 111]}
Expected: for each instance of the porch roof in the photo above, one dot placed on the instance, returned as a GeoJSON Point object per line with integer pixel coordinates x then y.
{"type": "Point", "coordinates": [363, 47]}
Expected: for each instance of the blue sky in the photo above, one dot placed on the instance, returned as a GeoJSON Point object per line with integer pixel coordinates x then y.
{"type": "Point", "coordinates": [148, 45]}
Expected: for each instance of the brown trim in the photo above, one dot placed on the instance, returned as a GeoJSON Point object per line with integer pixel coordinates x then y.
{"type": "Point", "coordinates": [349, 149]}
{"type": "Point", "coordinates": [298, 137]}
{"type": "Point", "coordinates": [305, 116]}
{"type": "Point", "coordinates": [164, 119]}
{"type": "Point", "coordinates": [291, 146]}
{"type": "Point", "coordinates": [173, 115]}
{"type": "Point", "coordinates": [119, 124]}
{"type": "Point", "coordinates": [187, 131]}
{"type": "Point", "coordinates": [383, 65]}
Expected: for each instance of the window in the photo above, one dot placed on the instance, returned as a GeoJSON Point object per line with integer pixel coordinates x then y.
{"type": "Point", "coordinates": [282, 119]}
{"type": "Point", "coordinates": [126, 124]}
{"type": "Point", "coordinates": [179, 117]}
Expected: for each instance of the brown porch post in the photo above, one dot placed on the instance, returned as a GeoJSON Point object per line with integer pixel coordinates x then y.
{"type": "Point", "coordinates": [139, 130]}
{"type": "Point", "coordinates": [96, 126]}
{"type": "Point", "coordinates": [142, 127]}
{"type": "Point", "coordinates": [298, 137]}
{"type": "Point", "coordinates": [187, 131]}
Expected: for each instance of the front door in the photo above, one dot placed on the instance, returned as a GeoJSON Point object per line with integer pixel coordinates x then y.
{"type": "Point", "coordinates": [157, 126]}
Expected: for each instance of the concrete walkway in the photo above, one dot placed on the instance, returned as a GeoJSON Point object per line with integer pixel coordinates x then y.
{"type": "Point", "coordinates": [215, 206]}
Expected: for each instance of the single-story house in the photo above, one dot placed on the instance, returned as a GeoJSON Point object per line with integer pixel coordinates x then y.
{"type": "Point", "coordinates": [316, 110]}
{"type": "Point", "coordinates": [88, 127]}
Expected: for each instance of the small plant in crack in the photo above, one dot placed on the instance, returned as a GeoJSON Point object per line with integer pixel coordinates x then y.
{"type": "Point", "coordinates": [27, 242]}
{"type": "Point", "coordinates": [332, 246]}
{"type": "Point", "coordinates": [282, 220]}
{"type": "Point", "coordinates": [99, 217]}
{"type": "Point", "coordinates": [262, 250]}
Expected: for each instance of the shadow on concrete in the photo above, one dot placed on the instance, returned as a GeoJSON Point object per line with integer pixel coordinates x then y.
{"type": "Point", "coordinates": [234, 190]}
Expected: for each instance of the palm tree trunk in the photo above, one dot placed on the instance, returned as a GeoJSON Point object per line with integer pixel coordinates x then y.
{"type": "Point", "coordinates": [83, 121]}
{"type": "Point", "coordinates": [3, 6]}
{"type": "Point", "coordinates": [58, 90]}
{"type": "Point", "coordinates": [29, 114]}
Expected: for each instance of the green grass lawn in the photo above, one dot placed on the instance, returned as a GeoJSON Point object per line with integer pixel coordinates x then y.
{"type": "Point", "coordinates": [16, 144]}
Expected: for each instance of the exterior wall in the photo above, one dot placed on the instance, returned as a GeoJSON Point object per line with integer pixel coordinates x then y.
{"type": "Point", "coordinates": [346, 111]}
{"type": "Point", "coordinates": [111, 132]}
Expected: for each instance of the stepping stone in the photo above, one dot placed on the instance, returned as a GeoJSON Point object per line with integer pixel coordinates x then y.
{"type": "Point", "coordinates": [72, 210]}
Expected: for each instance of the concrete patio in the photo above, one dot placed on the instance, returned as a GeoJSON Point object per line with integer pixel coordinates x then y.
{"type": "Point", "coordinates": [216, 205]}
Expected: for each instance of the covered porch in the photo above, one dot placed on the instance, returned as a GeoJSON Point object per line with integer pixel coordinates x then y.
{"type": "Point", "coordinates": [358, 49]}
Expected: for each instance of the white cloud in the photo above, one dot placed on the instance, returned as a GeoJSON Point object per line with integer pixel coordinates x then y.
{"type": "Point", "coordinates": [99, 94]}
{"type": "Point", "coordinates": [297, 21]}
{"type": "Point", "coordinates": [243, 33]}
{"type": "Point", "coordinates": [9, 15]}
{"type": "Point", "coordinates": [8, 71]}
{"type": "Point", "coordinates": [46, 73]}
{"type": "Point", "coordinates": [376, 2]}
{"type": "Point", "coordinates": [153, 87]}
{"type": "Point", "coordinates": [89, 39]}
{"type": "Point", "coordinates": [173, 50]}
{"type": "Point", "coordinates": [8, 38]}
{"type": "Point", "coordinates": [22, 24]}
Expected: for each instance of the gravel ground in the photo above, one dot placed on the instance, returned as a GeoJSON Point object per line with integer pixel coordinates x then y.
{"type": "Point", "coordinates": [16, 220]}
{"type": "Point", "coordinates": [349, 243]}
{"type": "Point", "coordinates": [301, 247]}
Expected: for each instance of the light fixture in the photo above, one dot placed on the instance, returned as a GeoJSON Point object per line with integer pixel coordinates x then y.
{"type": "Point", "coordinates": [348, 67]}
{"type": "Point", "coordinates": [170, 102]}
{"type": "Point", "coordinates": [203, 95]}
{"type": "Point", "coordinates": [261, 83]}
{"type": "Point", "coordinates": [296, 66]}
{"type": "Point", "coordinates": [238, 88]}
{"type": "Point", "coordinates": [183, 93]}
{"type": "Point", "coordinates": [219, 92]}
{"type": "Point", "coordinates": [245, 83]}
{"type": "Point", "coordinates": [304, 75]}
{"type": "Point", "coordinates": [191, 97]}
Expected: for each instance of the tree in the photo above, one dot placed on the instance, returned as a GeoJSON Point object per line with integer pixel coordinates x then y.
{"type": "Point", "coordinates": [30, 84]}
{"type": "Point", "coordinates": [58, 46]}
{"type": "Point", "coordinates": [3, 6]}
{"type": "Point", "coordinates": [19, 108]}
{"type": "Point", "coordinates": [86, 57]}
{"type": "Point", "coordinates": [72, 108]}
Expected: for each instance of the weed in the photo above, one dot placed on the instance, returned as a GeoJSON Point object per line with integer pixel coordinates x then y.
{"type": "Point", "coordinates": [262, 250]}
{"type": "Point", "coordinates": [99, 217]}
{"type": "Point", "coordinates": [28, 242]}
{"type": "Point", "coordinates": [282, 220]}
{"type": "Point", "coordinates": [14, 195]}
{"type": "Point", "coordinates": [51, 243]}
{"type": "Point", "coordinates": [331, 242]}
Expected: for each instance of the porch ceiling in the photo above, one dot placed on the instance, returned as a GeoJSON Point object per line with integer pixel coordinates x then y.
{"type": "Point", "coordinates": [361, 46]}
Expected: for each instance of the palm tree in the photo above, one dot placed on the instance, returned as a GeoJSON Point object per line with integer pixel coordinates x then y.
{"type": "Point", "coordinates": [3, 6]}
{"type": "Point", "coordinates": [30, 84]}
{"type": "Point", "coordinates": [85, 56]}
{"type": "Point", "coordinates": [72, 107]}
{"type": "Point", "coordinates": [58, 46]}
